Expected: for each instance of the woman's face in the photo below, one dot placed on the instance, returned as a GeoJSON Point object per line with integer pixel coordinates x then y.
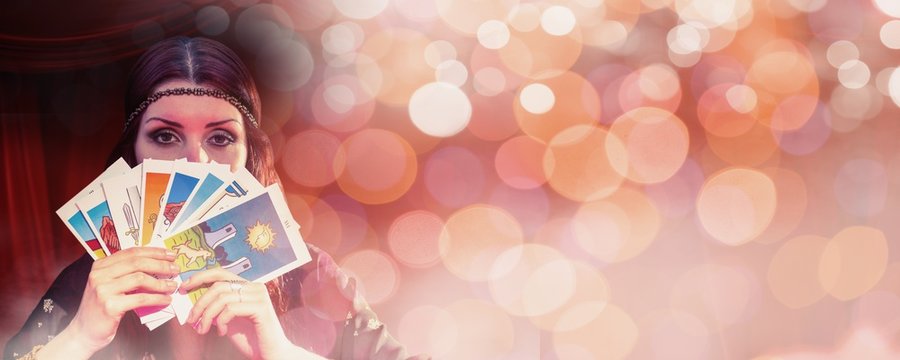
{"type": "Point", "coordinates": [198, 128]}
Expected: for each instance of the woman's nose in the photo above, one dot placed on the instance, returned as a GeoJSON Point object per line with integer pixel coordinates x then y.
{"type": "Point", "coordinates": [196, 153]}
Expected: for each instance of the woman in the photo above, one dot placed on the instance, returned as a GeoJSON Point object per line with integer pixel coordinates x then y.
{"type": "Point", "coordinates": [193, 98]}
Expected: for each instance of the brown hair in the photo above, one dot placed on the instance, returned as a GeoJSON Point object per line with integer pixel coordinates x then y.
{"type": "Point", "coordinates": [203, 62]}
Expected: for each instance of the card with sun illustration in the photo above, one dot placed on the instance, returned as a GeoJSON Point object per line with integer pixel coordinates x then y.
{"type": "Point", "coordinates": [256, 239]}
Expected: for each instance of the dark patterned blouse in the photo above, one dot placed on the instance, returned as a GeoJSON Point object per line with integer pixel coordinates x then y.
{"type": "Point", "coordinates": [321, 311]}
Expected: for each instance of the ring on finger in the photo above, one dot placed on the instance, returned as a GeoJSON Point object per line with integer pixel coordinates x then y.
{"type": "Point", "coordinates": [237, 286]}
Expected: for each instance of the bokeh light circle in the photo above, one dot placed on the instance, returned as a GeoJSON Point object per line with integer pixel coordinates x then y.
{"type": "Point", "coordinates": [340, 104]}
{"type": "Point", "coordinates": [376, 274]}
{"type": "Point", "coordinates": [558, 20]}
{"type": "Point", "coordinates": [537, 98]}
{"type": "Point", "coordinates": [894, 86]}
{"type": "Point", "coordinates": [531, 280]}
{"type": "Point", "coordinates": [617, 228]}
{"type": "Point", "coordinates": [452, 72]}
{"type": "Point", "coordinates": [853, 262]}
{"type": "Point", "coordinates": [518, 162]}
{"type": "Point", "coordinates": [580, 163]}
{"type": "Point", "coordinates": [474, 237]}
{"type": "Point", "coordinates": [212, 20]}
{"type": "Point", "coordinates": [591, 287]}
{"type": "Point", "coordinates": [574, 102]}
{"type": "Point", "coordinates": [309, 158]}
{"type": "Point", "coordinates": [793, 274]}
{"type": "Point", "coordinates": [493, 34]}
{"type": "Point", "coordinates": [413, 238]}
{"type": "Point", "coordinates": [736, 205]}
{"type": "Point", "coordinates": [375, 166]}
{"type": "Point", "coordinates": [890, 8]}
{"type": "Point", "coordinates": [360, 9]}
{"type": "Point", "coordinates": [285, 64]}
{"type": "Point", "coordinates": [656, 141]}
{"type": "Point", "coordinates": [440, 109]}
{"type": "Point", "coordinates": [392, 65]}
{"type": "Point", "coordinates": [454, 176]}
{"type": "Point", "coordinates": [890, 34]}
{"type": "Point", "coordinates": [718, 114]}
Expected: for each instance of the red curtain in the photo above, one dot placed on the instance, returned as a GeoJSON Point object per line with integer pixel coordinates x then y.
{"type": "Point", "coordinates": [62, 69]}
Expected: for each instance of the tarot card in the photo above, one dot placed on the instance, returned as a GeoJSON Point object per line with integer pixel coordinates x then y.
{"type": "Point", "coordinates": [152, 325]}
{"type": "Point", "coordinates": [185, 179]}
{"type": "Point", "coordinates": [243, 186]}
{"type": "Point", "coordinates": [154, 182]}
{"type": "Point", "coordinates": [124, 200]}
{"type": "Point", "coordinates": [256, 239]}
{"type": "Point", "coordinates": [96, 211]}
{"type": "Point", "coordinates": [208, 192]}
{"type": "Point", "coordinates": [77, 223]}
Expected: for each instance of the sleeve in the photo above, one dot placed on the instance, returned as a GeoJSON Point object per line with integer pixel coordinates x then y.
{"type": "Point", "coordinates": [53, 312]}
{"type": "Point", "coordinates": [330, 304]}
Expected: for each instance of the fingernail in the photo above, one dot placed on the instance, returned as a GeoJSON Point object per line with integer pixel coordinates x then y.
{"type": "Point", "coordinates": [170, 253]}
{"type": "Point", "coordinates": [171, 284]}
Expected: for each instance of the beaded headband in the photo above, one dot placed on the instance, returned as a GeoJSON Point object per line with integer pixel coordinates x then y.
{"type": "Point", "coordinates": [216, 93]}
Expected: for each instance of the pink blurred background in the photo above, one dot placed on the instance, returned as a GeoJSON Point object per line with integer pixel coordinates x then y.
{"type": "Point", "coordinates": [672, 179]}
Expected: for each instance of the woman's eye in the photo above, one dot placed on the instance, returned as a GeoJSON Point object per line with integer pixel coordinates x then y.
{"type": "Point", "coordinates": [221, 140]}
{"type": "Point", "coordinates": [164, 137]}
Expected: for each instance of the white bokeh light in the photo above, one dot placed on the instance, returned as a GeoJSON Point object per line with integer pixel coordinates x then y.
{"type": "Point", "coordinates": [890, 34]}
{"type": "Point", "coordinates": [889, 7]}
{"type": "Point", "coordinates": [558, 20]}
{"type": "Point", "coordinates": [537, 98]}
{"type": "Point", "coordinates": [840, 52]}
{"type": "Point", "coordinates": [524, 17]}
{"type": "Point", "coordinates": [342, 38]}
{"type": "Point", "coordinates": [687, 38]}
{"type": "Point", "coordinates": [894, 86]}
{"type": "Point", "coordinates": [440, 109]}
{"type": "Point", "coordinates": [493, 34]}
{"type": "Point", "coordinates": [439, 51]}
{"type": "Point", "coordinates": [452, 72]}
{"type": "Point", "coordinates": [360, 9]}
{"type": "Point", "coordinates": [854, 74]}
{"type": "Point", "coordinates": [339, 98]}
{"type": "Point", "coordinates": [741, 98]}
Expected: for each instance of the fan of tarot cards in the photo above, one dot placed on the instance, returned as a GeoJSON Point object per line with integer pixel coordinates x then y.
{"type": "Point", "coordinates": [207, 215]}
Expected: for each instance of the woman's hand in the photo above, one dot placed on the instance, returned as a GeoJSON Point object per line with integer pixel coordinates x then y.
{"type": "Point", "coordinates": [117, 284]}
{"type": "Point", "coordinates": [240, 310]}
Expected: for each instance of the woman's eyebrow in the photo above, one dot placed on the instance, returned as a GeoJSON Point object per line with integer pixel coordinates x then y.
{"type": "Point", "coordinates": [166, 121]}
{"type": "Point", "coordinates": [217, 123]}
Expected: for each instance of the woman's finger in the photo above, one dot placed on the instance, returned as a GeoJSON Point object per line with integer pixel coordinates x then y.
{"type": "Point", "coordinates": [214, 308]}
{"type": "Point", "coordinates": [130, 254]}
{"type": "Point", "coordinates": [206, 299]}
{"type": "Point", "coordinates": [138, 282]}
{"type": "Point", "coordinates": [232, 311]}
{"type": "Point", "coordinates": [146, 265]}
{"type": "Point", "coordinates": [207, 277]}
{"type": "Point", "coordinates": [121, 304]}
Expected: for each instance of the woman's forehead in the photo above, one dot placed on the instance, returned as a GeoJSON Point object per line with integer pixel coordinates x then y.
{"type": "Point", "coordinates": [190, 108]}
